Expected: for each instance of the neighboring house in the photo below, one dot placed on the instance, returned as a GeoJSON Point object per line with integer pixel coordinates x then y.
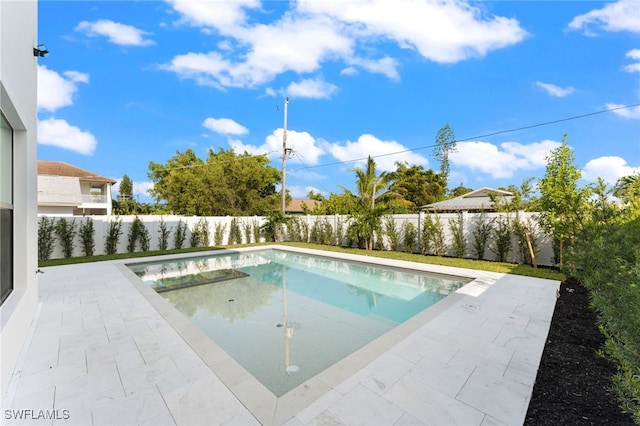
{"type": "Point", "coordinates": [474, 201]}
{"type": "Point", "coordinates": [297, 206]}
{"type": "Point", "coordinates": [18, 190]}
{"type": "Point", "coordinates": [66, 190]}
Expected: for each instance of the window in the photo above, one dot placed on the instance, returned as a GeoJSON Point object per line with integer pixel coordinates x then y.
{"type": "Point", "coordinates": [6, 208]}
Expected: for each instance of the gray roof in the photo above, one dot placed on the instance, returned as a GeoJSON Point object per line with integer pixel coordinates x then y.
{"type": "Point", "coordinates": [59, 191]}
{"type": "Point", "coordinates": [474, 200]}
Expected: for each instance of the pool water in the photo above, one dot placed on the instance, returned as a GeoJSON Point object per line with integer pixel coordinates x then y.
{"type": "Point", "coordinates": [289, 316]}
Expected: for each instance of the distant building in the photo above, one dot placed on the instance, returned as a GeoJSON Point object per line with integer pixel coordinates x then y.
{"type": "Point", "coordinates": [474, 201]}
{"type": "Point", "coordinates": [18, 156]}
{"type": "Point", "coordinates": [296, 206]}
{"type": "Point", "coordinates": [67, 190]}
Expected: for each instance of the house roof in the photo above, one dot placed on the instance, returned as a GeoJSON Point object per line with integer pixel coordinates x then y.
{"type": "Point", "coordinates": [60, 168]}
{"type": "Point", "coordinates": [59, 191]}
{"type": "Point", "coordinates": [474, 200]}
{"type": "Point", "coordinates": [295, 206]}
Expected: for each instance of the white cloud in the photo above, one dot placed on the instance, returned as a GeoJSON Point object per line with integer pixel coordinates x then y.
{"type": "Point", "coordinates": [349, 71]}
{"type": "Point", "coordinates": [557, 91]}
{"type": "Point", "coordinates": [59, 133]}
{"type": "Point", "coordinates": [633, 54]}
{"type": "Point", "coordinates": [386, 66]}
{"type": "Point", "coordinates": [631, 112]}
{"type": "Point", "coordinates": [120, 34]}
{"type": "Point", "coordinates": [369, 145]}
{"type": "Point", "coordinates": [54, 91]}
{"type": "Point", "coordinates": [312, 33]}
{"type": "Point", "coordinates": [443, 32]}
{"type": "Point", "coordinates": [311, 88]}
{"type": "Point", "coordinates": [142, 188]}
{"type": "Point", "coordinates": [503, 161]}
{"type": "Point", "coordinates": [608, 168]}
{"type": "Point", "coordinates": [619, 16]}
{"type": "Point", "coordinates": [306, 149]}
{"type": "Point", "coordinates": [225, 126]}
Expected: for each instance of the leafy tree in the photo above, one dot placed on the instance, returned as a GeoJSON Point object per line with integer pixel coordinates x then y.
{"type": "Point", "coordinates": [416, 186]}
{"type": "Point", "coordinates": [225, 183]}
{"type": "Point", "coordinates": [126, 188]}
{"type": "Point", "coordinates": [444, 145]}
{"type": "Point", "coordinates": [562, 202]}
{"type": "Point", "coordinates": [459, 190]}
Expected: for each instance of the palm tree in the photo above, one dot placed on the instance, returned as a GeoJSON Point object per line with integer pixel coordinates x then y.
{"type": "Point", "coordinates": [371, 187]}
{"type": "Point", "coordinates": [627, 187]}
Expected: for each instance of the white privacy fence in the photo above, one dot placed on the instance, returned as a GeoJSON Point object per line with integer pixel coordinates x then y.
{"type": "Point", "coordinates": [219, 230]}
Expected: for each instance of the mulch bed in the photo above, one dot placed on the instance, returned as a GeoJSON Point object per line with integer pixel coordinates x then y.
{"type": "Point", "coordinates": [572, 385]}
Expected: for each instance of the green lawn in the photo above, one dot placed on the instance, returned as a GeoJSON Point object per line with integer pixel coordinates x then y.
{"type": "Point", "coordinates": [505, 268]}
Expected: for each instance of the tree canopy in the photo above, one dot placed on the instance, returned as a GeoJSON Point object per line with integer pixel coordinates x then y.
{"type": "Point", "coordinates": [225, 183]}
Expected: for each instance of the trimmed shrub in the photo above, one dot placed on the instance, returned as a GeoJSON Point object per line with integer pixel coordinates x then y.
{"type": "Point", "coordinates": [46, 240]}
{"type": "Point", "coordinates": [66, 232]}
{"type": "Point", "coordinates": [87, 237]}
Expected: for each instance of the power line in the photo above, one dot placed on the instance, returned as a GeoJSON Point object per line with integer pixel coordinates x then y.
{"type": "Point", "coordinates": [499, 132]}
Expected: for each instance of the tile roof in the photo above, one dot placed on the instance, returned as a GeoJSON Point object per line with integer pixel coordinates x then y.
{"type": "Point", "coordinates": [295, 206]}
{"type": "Point", "coordinates": [60, 168]}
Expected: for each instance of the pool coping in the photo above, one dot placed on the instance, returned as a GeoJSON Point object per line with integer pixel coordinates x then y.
{"type": "Point", "coordinates": [264, 405]}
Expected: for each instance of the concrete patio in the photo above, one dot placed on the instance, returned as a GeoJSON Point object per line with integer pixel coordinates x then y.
{"type": "Point", "coordinates": [106, 350]}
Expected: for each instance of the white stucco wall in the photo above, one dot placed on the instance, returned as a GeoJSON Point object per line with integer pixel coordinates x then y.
{"type": "Point", "coordinates": [18, 102]}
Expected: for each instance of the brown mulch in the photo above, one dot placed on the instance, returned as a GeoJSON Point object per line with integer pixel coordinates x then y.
{"type": "Point", "coordinates": [573, 383]}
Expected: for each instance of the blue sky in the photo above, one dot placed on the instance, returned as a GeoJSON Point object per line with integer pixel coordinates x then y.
{"type": "Point", "coordinates": [127, 83]}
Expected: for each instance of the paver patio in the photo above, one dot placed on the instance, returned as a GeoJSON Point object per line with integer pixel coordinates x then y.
{"type": "Point", "coordinates": [103, 350]}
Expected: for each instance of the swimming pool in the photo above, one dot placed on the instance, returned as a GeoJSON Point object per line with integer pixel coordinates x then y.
{"type": "Point", "coordinates": [286, 316]}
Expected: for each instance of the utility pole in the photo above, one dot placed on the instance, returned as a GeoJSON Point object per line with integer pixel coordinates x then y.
{"type": "Point", "coordinates": [285, 151]}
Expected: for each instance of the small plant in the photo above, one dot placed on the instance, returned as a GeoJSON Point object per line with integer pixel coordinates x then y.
{"type": "Point", "coordinates": [392, 232]}
{"type": "Point", "coordinates": [502, 238]}
{"type": "Point", "coordinates": [459, 243]}
{"type": "Point", "coordinates": [218, 233]}
{"type": "Point", "coordinates": [87, 237]}
{"type": "Point", "coordinates": [66, 232]}
{"type": "Point", "coordinates": [481, 234]}
{"type": "Point", "coordinates": [165, 233]}
{"type": "Point", "coordinates": [180, 235]}
{"type": "Point", "coordinates": [113, 236]}
{"type": "Point", "coordinates": [46, 241]}
{"type": "Point", "coordinates": [235, 234]}
{"type": "Point", "coordinates": [410, 236]}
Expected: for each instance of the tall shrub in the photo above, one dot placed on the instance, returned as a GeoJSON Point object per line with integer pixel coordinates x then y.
{"type": "Point", "coordinates": [256, 230]}
{"type": "Point", "coordinates": [235, 233]}
{"type": "Point", "coordinates": [46, 240]}
{"type": "Point", "coordinates": [520, 231]}
{"type": "Point", "coordinates": [458, 242]}
{"type": "Point", "coordinates": [180, 234]}
{"type": "Point", "coordinates": [218, 233]}
{"type": "Point", "coordinates": [481, 234]}
{"type": "Point", "coordinates": [165, 233]}
{"type": "Point", "coordinates": [113, 236]}
{"type": "Point", "coordinates": [200, 234]}
{"type": "Point", "coordinates": [246, 226]}
{"type": "Point", "coordinates": [87, 237]}
{"type": "Point", "coordinates": [432, 235]}
{"type": "Point", "coordinates": [66, 232]}
{"type": "Point", "coordinates": [410, 234]}
{"type": "Point", "coordinates": [392, 232]}
{"type": "Point", "coordinates": [502, 238]}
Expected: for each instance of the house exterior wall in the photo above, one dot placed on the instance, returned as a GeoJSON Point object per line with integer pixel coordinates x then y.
{"type": "Point", "coordinates": [18, 103]}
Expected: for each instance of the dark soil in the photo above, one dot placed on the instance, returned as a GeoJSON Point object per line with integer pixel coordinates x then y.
{"type": "Point", "coordinates": [573, 383]}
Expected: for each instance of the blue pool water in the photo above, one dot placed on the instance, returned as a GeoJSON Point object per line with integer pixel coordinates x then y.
{"type": "Point", "coordinates": [289, 315]}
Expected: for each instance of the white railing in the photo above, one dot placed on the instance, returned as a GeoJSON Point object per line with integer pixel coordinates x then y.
{"type": "Point", "coordinates": [94, 199]}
